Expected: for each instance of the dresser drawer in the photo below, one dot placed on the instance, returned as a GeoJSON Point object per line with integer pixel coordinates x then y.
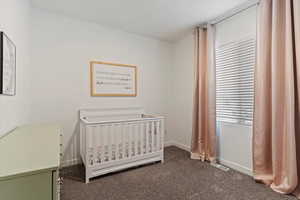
{"type": "Point", "coordinates": [31, 187]}
{"type": "Point", "coordinates": [56, 185]}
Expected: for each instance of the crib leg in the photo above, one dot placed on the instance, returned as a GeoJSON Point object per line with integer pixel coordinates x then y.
{"type": "Point", "coordinates": [87, 180]}
{"type": "Point", "coordinates": [162, 159]}
{"type": "Point", "coordinates": [87, 175]}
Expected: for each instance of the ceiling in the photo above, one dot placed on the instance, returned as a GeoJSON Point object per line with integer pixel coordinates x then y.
{"type": "Point", "coordinates": [166, 20]}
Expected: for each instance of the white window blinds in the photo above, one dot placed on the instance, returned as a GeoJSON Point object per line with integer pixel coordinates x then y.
{"type": "Point", "coordinates": [235, 81]}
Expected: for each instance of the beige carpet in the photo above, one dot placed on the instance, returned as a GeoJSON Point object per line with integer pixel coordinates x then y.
{"type": "Point", "coordinates": [179, 178]}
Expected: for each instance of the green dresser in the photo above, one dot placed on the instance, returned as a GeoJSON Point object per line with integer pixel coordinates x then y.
{"type": "Point", "coordinates": [29, 162]}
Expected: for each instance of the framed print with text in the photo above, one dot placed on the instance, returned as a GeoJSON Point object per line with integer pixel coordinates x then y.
{"type": "Point", "coordinates": [111, 79]}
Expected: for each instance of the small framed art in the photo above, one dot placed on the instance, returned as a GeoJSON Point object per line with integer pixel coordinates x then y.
{"type": "Point", "coordinates": [7, 66]}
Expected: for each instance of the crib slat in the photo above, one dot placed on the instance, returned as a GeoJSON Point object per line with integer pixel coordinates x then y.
{"type": "Point", "coordinates": [157, 137]}
{"type": "Point", "coordinates": [152, 136]}
{"type": "Point", "coordinates": [147, 137]}
{"type": "Point", "coordinates": [129, 140]}
{"type": "Point", "coordinates": [111, 135]}
{"type": "Point", "coordinates": [142, 133]}
{"type": "Point", "coordinates": [116, 142]}
{"type": "Point", "coordinates": [109, 142]}
{"type": "Point", "coordinates": [95, 144]}
{"type": "Point", "coordinates": [120, 136]}
{"type": "Point", "coordinates": [136, 140]}
{"type": "Point", "coordinates": [133, 139]}
{"type": "Point", "coordinates": [113, 142]}
{"type": "Point", "coordinates": [105, 142]}
{"type": "Point", "coordinates": [99, 140]}
{"type": "Point", "coordinates": [123, 131]}
{"type": "Point", "coordinates": [139, 136]}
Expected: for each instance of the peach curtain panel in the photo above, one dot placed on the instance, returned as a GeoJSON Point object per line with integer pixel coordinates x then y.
{"type": "Point", "coordinates": [204, 115]}
{"type": "Point", "coordinates": [276, 136]}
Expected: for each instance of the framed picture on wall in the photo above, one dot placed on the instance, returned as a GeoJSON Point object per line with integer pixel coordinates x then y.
{"type": "Point", "coordinates": [7, 66]}
{"type": "Point", "coordinates": [111, 79]}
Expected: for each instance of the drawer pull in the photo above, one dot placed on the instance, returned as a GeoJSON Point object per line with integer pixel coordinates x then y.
{"type": "Point", "coordinates": [60, 180]}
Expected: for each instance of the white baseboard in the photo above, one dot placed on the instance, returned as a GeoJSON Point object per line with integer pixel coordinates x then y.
{"type": "Point", "coordinates": [176, 144]}
{"type": "Point", "coordinates": [67, 163]}
{"type": "Point", "coordinates": [168, 143]}
{"type": "Point", "coordinates": [237, 167]}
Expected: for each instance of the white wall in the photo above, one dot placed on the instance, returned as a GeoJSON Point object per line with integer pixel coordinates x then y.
{"type": "Point", "coordinates": [234, 141]}
{"type": "Point", "coordinates": [14, 21]}
{"type": "Point", "coordinates": [181, 91]}
{"type": "Point", "coordinates": [61, 50]}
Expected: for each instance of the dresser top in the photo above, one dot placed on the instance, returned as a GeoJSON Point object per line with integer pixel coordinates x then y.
{"type": "Point", "coordinates": [29, 149]}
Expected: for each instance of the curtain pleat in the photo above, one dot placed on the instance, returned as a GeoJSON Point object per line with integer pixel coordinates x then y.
{"type": "Point", "coordinates": [204, 112]}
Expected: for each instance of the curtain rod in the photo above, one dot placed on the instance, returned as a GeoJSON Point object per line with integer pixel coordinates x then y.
{"type": "Point", "coordinates": [231, 13]}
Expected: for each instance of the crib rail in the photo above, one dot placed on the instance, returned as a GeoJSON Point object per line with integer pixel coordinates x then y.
{"type": "Point", "coordinates": [144, 118]}
{"type": "Point", "coordinates": [111, 141]}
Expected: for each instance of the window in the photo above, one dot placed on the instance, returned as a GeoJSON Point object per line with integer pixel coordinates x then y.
{"type": "Point", "coordinates": [235, 81]}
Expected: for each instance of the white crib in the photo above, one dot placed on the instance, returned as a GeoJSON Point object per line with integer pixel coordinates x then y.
{"type": "Point", "coordinates": [116, 139]}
